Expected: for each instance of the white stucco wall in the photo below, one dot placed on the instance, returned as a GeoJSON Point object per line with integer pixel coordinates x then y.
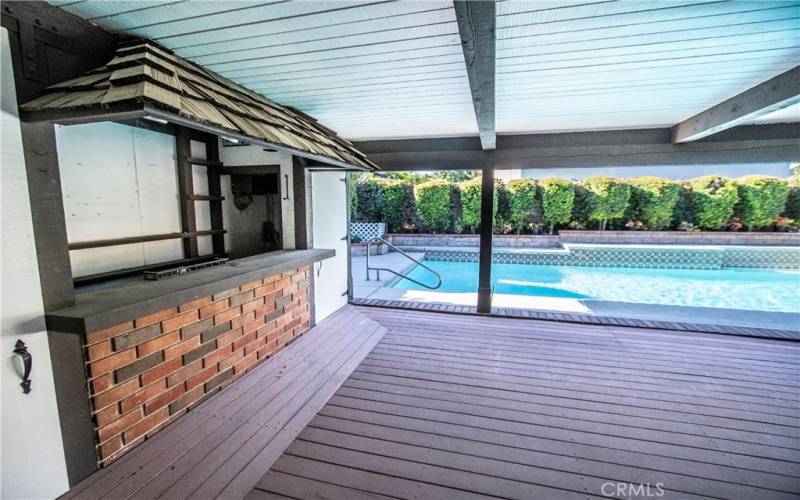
{"type": "Point", "coordinates": [32, 463]}
{"type": "Point", "coordinates": [329, 208]}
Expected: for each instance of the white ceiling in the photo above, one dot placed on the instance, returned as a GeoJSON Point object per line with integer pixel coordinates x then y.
{"type": "Point", "coordinates": [391, 69]}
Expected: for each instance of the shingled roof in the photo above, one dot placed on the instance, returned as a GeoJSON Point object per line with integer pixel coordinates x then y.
{"type": "Point", "coordinates": [145, 79]}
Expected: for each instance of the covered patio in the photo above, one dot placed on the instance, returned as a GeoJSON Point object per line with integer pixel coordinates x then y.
{"type": "Point", "coordinates": [181, 315]}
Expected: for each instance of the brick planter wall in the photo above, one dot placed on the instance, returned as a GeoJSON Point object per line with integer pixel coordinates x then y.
{"type": "Point", "coordinates": [472, 240]}
{"type": "Point", "coordinates": [145, 373]}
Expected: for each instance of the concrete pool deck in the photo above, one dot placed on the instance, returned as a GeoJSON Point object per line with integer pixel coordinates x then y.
{"type": "Point", "coordinates": [383, 291]}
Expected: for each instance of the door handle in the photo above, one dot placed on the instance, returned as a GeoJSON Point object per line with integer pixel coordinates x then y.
{"type": "Point", "coordinates": [21, 350]}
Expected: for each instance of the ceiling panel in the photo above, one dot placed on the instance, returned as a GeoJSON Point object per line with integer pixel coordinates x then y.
{"type": "Point", "coordinates": [367, 69]}
{"type": "Point", "coordinates": [621, 64]}
{"type": "Point", "coordinates": [393, 69]}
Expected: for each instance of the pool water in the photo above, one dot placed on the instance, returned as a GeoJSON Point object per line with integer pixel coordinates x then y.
{"type": "Point", "coordinates": [748, 289]}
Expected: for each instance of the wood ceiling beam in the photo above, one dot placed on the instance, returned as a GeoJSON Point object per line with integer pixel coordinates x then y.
{"type": "Point", "coordinates": [476, 25]}
{"type": "Point", "coordinates": [774, 94]}
{"type": "Point", "coordinates": [611, 148]}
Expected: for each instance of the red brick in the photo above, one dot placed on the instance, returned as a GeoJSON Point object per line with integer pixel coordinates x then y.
{"type": "Point", "coordinates": [116, 393]}
{"type": "Point", "coordinates": [265, 309]}
{"type": "Point", "coordinates": [252, 326]}
{"type": "Point", "coordinates": [272, 279]}
{"type": "Point", "coordinates": [241, 298]}
{"type": "Point", "coordinates": [244, 340]}
{"type": "Point", "coordinates": [298, 277]}
{"type": "Point", "coordinates": [229, 337]}
{"type": "Point", "coordinates": [146, 425]}
{"type": "Point", "coordinates": [227, 315]}
{"type": "Point", "coordinates": [179, 321]}
{"type": "Point", "coordinates": [230, 360]}
{"type": "Point", "coordinates": [270, 298]}
{"type": "Point", "coordinates": [216, 356]}
{"type": "Point", "coordinates": [178, 350]}
{"type": "Point", "coordinates": [254, 346]}
{"type": "Point", "coordinates": [110, 447]}
{"type": "Point", "coordinates": [111, 363]}
{"type": "Point", "coordinates": [164, 399]}
{"type": "Point", "coordinates": [282, 283]}
{"type": "Point", "coordinates": [106, 416]}
{"type": "Point", "coordinates": [156, 317]}
{"type": "Point", "coordinates": [253, 305]}
{"type": "Point", "coordinates": [264, 289]}
{"type": "Point", "coordinates": [215, 308]}
{"type": "Point", "coordinates": [161, 371]}
{"type": "Point", "coordinates": [250, 286]}
{"type": "Point", "coordinates": [241, 320]}
{"type": "Point", "coordinates": [181, 375]}
{"type": "Point", "coordinates": [107, 333]}
{"type": "Point", "coordinates": [201, 377]}
{"type": "Point", "coordinates": [119, 425]}
{"type": "Point", "coordinates": [195, 304]}
{"type": "Point", "coordinates": [102, 383]}
{"type": "Point", "coordinates": [186, 400]}
{"type": "Point", "coordinates": [158, 344]}
{"type": "Point", "coordinates": [99, 350]}
{"type": "Point", "coordinates": [292, 306]}
{"type": "Point", "coordinates": [246, 363]}
{"type": "Point", "coordinates": [145, 394]}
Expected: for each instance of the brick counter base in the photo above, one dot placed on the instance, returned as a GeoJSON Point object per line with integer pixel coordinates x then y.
{"type": "Point", "coordinates": [145, 373]}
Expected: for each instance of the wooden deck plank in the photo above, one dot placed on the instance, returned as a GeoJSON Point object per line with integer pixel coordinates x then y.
{"type": "Point", "coordinates": [282, 483]}
{"type": "Point", "coordinates": [560, 408]}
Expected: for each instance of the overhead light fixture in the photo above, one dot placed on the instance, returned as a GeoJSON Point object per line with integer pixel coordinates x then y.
{"type": "Point", "coordinates": [230, 139]}
{"type": "Point", "coordinates": [157, 120]}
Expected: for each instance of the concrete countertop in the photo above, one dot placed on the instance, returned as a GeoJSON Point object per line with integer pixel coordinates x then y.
{"type": "Point", "coordinates": [116, 302]}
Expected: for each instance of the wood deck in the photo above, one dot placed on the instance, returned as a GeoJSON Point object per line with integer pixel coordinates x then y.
{"type": "Point", "coordinates": [453, 406]}
{"type": "Point", "coordinates": [224, 445]}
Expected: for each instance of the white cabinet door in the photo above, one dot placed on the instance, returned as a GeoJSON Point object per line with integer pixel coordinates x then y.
{"type": "Point", "coordinates": [329, 202]}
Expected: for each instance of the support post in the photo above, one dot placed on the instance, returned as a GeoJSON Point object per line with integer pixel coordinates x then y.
{"type": "Point", "coordinates": [485, 266]}
{"type": "Point", "coordinates": [215, 195]}
{"type": "Point", "coordinates": [183, 151]}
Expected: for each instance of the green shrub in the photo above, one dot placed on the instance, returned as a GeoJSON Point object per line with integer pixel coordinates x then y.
{"type": "Point", "coordinates": [434, 201]}
{"type": "Point", "coordinates": [399, 209]}
{"type": "Point", "coordinates": [353, 195]}
{"type": "Point", "coordinates": [369, 207]}
{"type": "Point", "coordinates": [713, 199]}
{"type": "Point", "coordinates": [502, 208]}
{"type": "Point", "coordinates": [792, 209]}
{"type": "Point", "coordinates": [607, 199]}
{"type": "Point", "coordinates": [580, 206]}
{"type": "Point", "coordinates": [521, 203]}
{"type": "Point", "coordinates": [683, 213]}
{"type": "Point", "coordinates": [470, 196]}
{"type": "Point", "coordinates": [761, 200]}
{"type": "Point", "coordinates": [653, 201]}
{"type": "Point", "coordinates": [558, 196]}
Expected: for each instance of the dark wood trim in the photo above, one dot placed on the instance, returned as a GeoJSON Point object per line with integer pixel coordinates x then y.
{"type": "Point", "coordinates": [614, 148]}
{"type": "Point", "coordinates": [142, 239]}
{"type": "Point", "coordinates": [207, 162]}
{"type": "Point", "coordinates": [183, 151]}
{"type": "Point", "coordinates": [215, 197]}
{"type": "Point", "coordinates": [774, 94]}
{"type": "Point", "coordinates": [476, 25]}
{"type": "Point", "coordinates": [203, 197]}
{"type": "Point", "coordinates": [485, 257]}
{"type": "Point", "coordinates": [251, 170]}
{"type": "Point", "coordinates": [303, 218]}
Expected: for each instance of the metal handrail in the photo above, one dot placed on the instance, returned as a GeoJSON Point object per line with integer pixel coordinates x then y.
{"type": "Point", "coordinates": [377, 239]}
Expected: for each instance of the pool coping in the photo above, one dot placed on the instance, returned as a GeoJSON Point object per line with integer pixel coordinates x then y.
{"type": "Point", "coordinates": [738, 331]}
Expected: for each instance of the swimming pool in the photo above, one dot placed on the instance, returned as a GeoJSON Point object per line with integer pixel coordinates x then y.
{"type": "Point", "coordinates": [744, 289]}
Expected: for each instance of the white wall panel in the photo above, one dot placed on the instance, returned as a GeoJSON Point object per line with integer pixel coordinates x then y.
{"type": "Point", "coordinates": [329, 209]}
{"type": "Point", "coordinates": [33, 464]}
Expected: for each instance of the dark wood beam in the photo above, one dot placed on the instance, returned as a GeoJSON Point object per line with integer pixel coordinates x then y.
{"type": "Point", "coordinates": [485, 256]}
{"type": "Point", "coordinates": [476, 25]}
{"type": "Point", "coordinates": [616, 148]}
{"type": "Point", "coordinates": [774, 94]}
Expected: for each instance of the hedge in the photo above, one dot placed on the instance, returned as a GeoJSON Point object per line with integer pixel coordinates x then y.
{"type": "Point", "coordinates": [434, 205]}
{"type": "Point", "coordinates": [792, 209]}
{"type": "Point", "coordinates": [713, 200]}
{"type": "Point", "coordinates": [761, 200]}
{"type": "Point", "coordinates": [521, 203]}
{"type": "Point", "coordinates": [607, 199]}
{"type": "Point", "coordinates": [399, 209]}
{"type": "Point", "coordinates": [653, 201]}
{"type": "Point", "coordinates": [558, 196]}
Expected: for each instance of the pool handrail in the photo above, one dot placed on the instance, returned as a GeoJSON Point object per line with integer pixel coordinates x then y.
{"type": "Point", "coordinates": [377, 239]}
